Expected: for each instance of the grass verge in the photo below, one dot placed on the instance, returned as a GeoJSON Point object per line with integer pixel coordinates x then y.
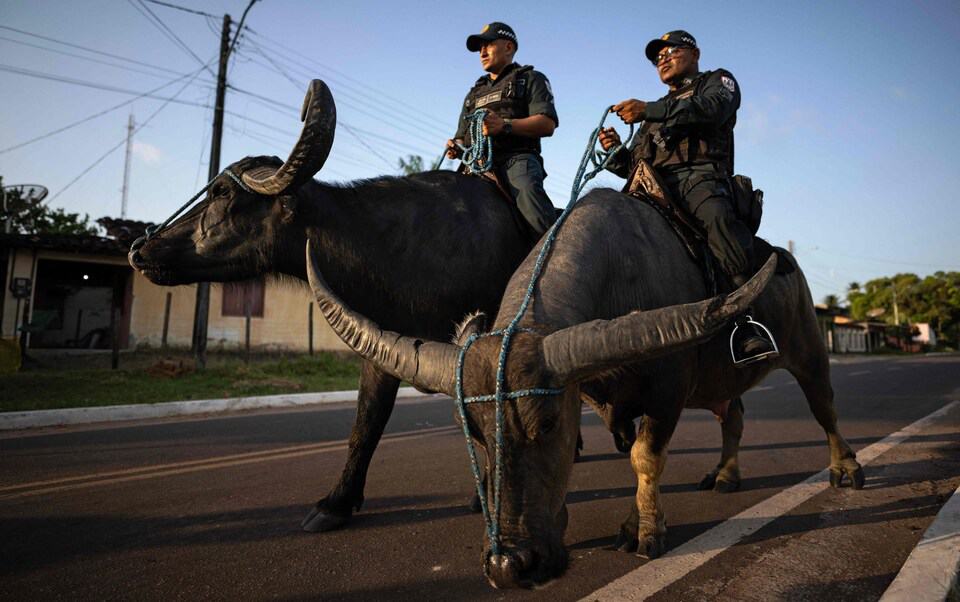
{"type": "Point", "coordinates": [155, 378]}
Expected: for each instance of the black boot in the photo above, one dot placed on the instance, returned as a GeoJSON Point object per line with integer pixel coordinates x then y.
{"type": "Point", "coordinates": [750, 342]}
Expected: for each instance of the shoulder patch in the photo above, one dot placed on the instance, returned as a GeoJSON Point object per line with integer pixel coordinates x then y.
{"type": "Point", "coordinates": [728, 83]}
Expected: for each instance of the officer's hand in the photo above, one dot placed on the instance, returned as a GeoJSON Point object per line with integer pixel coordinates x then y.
{"type": "Point", "coordinates": [492, 124]}
{"type": "Point", "coordinates": [608, 138]}
{"type": "Point", "coordinates": [631, 111]}
{"type": "Point", "coordinates": [453, 151]}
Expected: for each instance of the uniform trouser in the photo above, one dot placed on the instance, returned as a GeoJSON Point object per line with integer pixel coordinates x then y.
{"type": "Point", "coordinates": [705, 194]}
{"type": "Point", "coordinates": [525, 176]}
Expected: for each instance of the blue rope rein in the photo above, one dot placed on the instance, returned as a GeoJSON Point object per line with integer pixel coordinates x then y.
{"type": "Point", "coordinates": [599, 159]}
{"type": "Point", "coordinates": [478, 156]}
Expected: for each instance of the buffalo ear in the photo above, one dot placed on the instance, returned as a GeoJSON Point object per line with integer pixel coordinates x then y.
{"type": "Point", "coordinates": [474, 323]}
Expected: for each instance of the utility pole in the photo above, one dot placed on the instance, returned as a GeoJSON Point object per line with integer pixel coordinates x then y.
{"type": "Point", "coordinates": [202, 311]}
{"type": "Point", "coordinates": [896, 308]}
{"type": "Point", "coordinates": [790, 246]}
{"type": "Point", "coordinates": [126, 170]}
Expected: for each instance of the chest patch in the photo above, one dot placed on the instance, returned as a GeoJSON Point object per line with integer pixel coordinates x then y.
{"type": "Point", "coordinates": [489, 98]}
{"type": "Point", "coordinates": [728, 83]}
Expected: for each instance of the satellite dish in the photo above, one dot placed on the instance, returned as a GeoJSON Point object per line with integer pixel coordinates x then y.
{"type": "Point", "coordinates": [29, 192]}
{"type": "Point", "coordinates": [876, 312]}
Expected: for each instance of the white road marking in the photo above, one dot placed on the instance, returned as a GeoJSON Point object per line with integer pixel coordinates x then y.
{"type": "Point", "coordinates": [763, 388]}
{"type": "Point", "coordinates": [859, 373]}
{"type": "Point", "coordinates": [162, 470]}
{"type": "Point", "coordinates": [931, 569]}
{"type": "Point", "coordinates": [655, 575]}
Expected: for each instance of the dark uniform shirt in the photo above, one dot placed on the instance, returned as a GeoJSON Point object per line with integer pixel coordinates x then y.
{"type": "Point", "coordinates": [537, 99]}
{"type": "Point", "coordinates": [692, 125]}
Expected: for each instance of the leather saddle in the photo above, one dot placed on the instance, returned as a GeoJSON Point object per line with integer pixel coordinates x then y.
{"type": "Point", "coordinates": [644, 184]}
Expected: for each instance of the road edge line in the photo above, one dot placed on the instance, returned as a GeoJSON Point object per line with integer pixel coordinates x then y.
{"type": "Point", "coordinates": [930, 573]}
{"type": "Point", "coordinates": [655, 575]}
{"type": "Point", "coordinates": [68, 416]}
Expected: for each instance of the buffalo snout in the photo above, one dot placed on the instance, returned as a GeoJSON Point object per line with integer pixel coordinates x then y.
{"type": "Point", "coordinates": [510, 568]}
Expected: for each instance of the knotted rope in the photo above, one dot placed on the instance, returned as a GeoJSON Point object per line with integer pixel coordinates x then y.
{"type": "Point", "coordinates": [478, 156]}
{"type": "Point", "coordinates": [600, 159]}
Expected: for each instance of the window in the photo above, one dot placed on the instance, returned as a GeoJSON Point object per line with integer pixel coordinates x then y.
{"type": "Point", "coordinates": [238, 295]}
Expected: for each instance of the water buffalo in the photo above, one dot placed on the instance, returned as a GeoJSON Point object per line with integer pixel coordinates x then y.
{"type": "Point", "coordinates": [416, 253]}
{"type": "Point", "coordinates": [594, 312]}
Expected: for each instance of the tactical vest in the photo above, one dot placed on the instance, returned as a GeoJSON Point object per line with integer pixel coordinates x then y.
{"type": "Point", "coordinates": [508, 98]}
{"type": "Point", "coordinates": [708, 143]}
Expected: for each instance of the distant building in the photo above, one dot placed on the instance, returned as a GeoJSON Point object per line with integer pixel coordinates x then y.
{"type": "Point", "coordinates": [925, 335]}
{"type": "Point", "coordinates": [67, 289]}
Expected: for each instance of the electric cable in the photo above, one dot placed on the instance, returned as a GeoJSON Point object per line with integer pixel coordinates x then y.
{"type": "Point", "coordinates": [95, 115]}
{"type": "Point", "coordinates": [86, 49]}
{"type": "Point", "coordinates": [121, 143]}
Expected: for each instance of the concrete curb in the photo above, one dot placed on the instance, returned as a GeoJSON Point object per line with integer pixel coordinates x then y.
{"type": "Point", "coordinates": [930, 572]}
{"type": "Point", "coordinates": [40, 418]}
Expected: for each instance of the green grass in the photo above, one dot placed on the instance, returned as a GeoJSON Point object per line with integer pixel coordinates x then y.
{"type": "Point", "coordinates": [71, 383]}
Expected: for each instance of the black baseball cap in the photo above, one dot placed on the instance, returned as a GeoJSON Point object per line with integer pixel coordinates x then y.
{"type": "Point", "coordinates": [673, 38]}
{"type": "Point", "coordinates": [489, 33]}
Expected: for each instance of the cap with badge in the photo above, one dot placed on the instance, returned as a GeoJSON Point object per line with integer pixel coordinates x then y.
{"type": "Point", "coordinates": [489, 33]}
{"type": "Point", "coordinates": [673, 38]}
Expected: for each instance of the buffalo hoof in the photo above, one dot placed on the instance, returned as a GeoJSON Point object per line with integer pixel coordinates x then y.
{"type": "Point", "coordinates": [626, 540]}
{"type": "Point", "coordinates": [320, 520]}
{"type": "Point", "coordinates": [724, 486]}
{"type": "Point", "coordinates": [651, 547]}
{"type": "Point", "coordinates": [475, 504]}
{"type": "Point", "coordinates": [708, 481]}
{"type": "Point", "coordinates": [852, 470]}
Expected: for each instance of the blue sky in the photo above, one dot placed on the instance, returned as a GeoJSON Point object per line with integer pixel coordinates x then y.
{"type": "Point", "coordinates": [849, 119]}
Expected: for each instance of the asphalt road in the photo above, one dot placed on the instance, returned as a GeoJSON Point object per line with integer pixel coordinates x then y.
{"type": "Point", "coordinates": [209, 508]}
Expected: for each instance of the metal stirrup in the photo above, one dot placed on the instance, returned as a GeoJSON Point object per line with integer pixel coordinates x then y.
{"type": "Point", "coordinates": [754, 358]}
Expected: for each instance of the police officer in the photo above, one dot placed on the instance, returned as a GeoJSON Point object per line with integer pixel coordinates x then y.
{"type": "Point", "coordinates": [520, 112]}
{"type": "Point", "coordinates": [687, 137]}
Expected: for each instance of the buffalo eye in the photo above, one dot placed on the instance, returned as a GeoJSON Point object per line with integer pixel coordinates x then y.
{"type": "Point", "coordinates": [220, 190]}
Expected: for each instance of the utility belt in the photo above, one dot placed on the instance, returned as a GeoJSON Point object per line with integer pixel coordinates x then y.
{"type": "Point", "coordinates": [747, 201]}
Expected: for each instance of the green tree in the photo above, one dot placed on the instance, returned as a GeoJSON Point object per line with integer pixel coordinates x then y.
{"type": "Point", "coordinates": [30, 216]}
{"type": "Point", "coordinates": [411, 165]}
{"type": "Point", "coordinates": [934, 299]}
{"type": "Point", "coordinates": [831, 301]}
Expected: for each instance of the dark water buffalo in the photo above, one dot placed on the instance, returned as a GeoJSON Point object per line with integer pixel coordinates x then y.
{"type": "Point", "coordinates": [613, 256]}
{"type": "Point", "coordinates": [415, 253]}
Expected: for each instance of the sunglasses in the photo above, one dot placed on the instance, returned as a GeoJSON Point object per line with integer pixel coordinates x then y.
{"type": "Point", "coordinates": [667, 53]}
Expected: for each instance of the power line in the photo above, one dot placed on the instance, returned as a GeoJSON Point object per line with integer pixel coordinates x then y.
{"type": "Point", "coordinates": [373, 90]}
{"type": "Point", "coordinates": [86, 58]}
{"type": "Point", "coordinates": [122, 142]}
{"type": "Point", "coordinates": [95, 115]}
{"type": "Point", "coordinates": [165, 30]}
{"type": "Point", "coordinates": [183, 8]}
{"type": "Point", "coordinates": [359, 96]}
{"type": "Point", "coordinates": [881, 260]}
{"type": "Point", "coordinates": [84, 48]}
{"type": "Point", "coordinates": [88, 84]}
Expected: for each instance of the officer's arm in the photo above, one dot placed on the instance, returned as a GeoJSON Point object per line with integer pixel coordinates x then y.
{"type": "Point", "coordinates": [535, 126]}
{"type": "Point", "coordinates": [620, 163]}
{"type": "Point", "coordinates": [716, 103]}
{"type": "Point", "coordinates": [543, 118]}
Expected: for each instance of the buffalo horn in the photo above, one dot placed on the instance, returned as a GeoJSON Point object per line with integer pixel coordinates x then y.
{"type": "Point", "coordinates": [319, 116]}
{"type": "Point", "coordinates": [427, 365]}
{"type": "Point", "coordinates": [587, 349]}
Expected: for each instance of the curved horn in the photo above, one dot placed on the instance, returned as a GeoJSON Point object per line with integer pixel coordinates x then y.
{"type": "Point", "coordinates": [319, 116]}
{"type": "Point", "coordinates": [583, 350]}
{"type": "Point", "coordinates": [425, 364]}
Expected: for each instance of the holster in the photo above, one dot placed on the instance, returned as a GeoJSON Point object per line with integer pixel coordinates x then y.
{"type": "Point", "coordinates": [645, 180]}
